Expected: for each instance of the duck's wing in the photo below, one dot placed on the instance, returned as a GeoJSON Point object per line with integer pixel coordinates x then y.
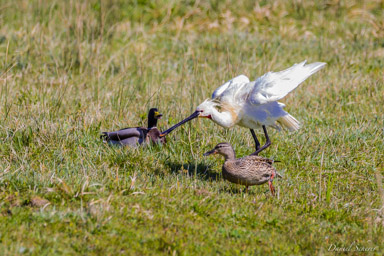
{"type": "Point", "coordinates": [259, 159]}
{"type": "Point", "coordinates": [276, 85]}
{"type": "Point", "coordinates": [249, 168]}
{"type": "Point", "coordinates": [123, 134]}
{"type": "Point", "coordinates": [131, 141]}
{"type": "Point", "coordinates": [241, 79]}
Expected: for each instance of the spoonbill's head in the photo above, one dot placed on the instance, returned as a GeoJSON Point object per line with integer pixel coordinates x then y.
{"type": "Point", "coordinates": [206, 108]}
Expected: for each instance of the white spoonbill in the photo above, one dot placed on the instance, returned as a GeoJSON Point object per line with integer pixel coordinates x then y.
{"type": "Point", "coordinates": [255, 104]}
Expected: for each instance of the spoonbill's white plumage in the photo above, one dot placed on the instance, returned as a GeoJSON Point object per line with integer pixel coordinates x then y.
{"type": "Point", "coordinates": [255, 104]}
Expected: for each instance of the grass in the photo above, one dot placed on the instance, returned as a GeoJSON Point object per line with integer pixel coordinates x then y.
{"type": "Point", "coordinates": [71, 69]}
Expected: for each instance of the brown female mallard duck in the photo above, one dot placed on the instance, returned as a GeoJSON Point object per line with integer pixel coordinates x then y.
{"type": "Point", "coordinates": [248, 171]}
{"type": "Point", "coordinates": [135, 136]}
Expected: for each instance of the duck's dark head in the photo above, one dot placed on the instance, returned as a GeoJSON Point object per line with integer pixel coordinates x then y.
{"type": "Point", "coordinates": [153, 116]}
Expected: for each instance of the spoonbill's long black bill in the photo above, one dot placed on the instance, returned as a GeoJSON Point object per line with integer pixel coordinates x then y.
{"type": "Point", "coordinates": [193, 116]}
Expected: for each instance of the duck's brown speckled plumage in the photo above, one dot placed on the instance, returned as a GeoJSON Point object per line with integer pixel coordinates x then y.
{"type": "Point", "coordinates": [248, 171]}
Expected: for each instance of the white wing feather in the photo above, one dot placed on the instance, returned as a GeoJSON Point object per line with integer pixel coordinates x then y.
{"type": "Point", "coordinates": [239, 79]}
{"type": "Point", "coordinates": [276, 85]}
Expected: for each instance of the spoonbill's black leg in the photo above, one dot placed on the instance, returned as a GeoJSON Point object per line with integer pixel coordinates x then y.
{"type": "Point", "coordinates": [267, 142]}
{"type": "Point", "coordinates": [257, 143]}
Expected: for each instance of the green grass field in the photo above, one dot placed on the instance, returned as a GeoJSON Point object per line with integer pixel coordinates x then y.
{"type": "Point", "coordinates": [71, 69]}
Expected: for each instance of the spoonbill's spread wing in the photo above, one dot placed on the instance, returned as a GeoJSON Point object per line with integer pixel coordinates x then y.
{"type": "Point", "coordinates": [241, 79]}
{"type": "Point", "coordinates": [276, 85]}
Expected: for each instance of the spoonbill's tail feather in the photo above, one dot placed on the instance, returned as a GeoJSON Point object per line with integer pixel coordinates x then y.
{"type": "Point", "coordinates": [289, 122]}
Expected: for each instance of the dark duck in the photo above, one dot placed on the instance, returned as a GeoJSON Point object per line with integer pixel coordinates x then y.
{"type": "Point", "coordinates": [136, 136]}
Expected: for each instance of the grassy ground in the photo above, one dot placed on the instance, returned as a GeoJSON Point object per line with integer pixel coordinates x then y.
{"type": "Point", "coordinates": [71, 69]}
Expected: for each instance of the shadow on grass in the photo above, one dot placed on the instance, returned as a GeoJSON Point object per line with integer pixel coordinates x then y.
{"type": "Point", "coordinates": [200, 170]}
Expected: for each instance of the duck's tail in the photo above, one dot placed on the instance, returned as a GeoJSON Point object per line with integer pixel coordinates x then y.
{"type": "Point", "coordinates": [289, 122]}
